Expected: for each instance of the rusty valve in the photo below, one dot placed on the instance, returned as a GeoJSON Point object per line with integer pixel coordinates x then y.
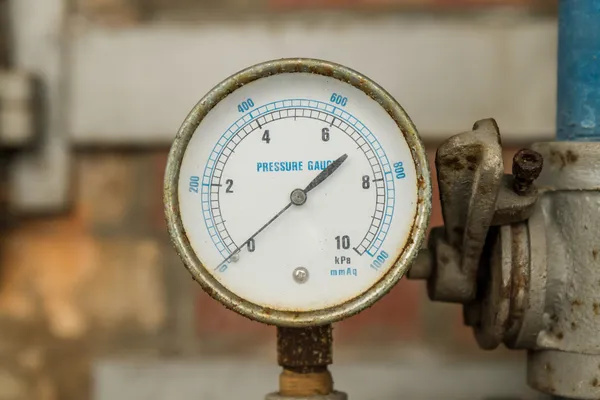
{"type": "Point", "coordinates": [463, 261]}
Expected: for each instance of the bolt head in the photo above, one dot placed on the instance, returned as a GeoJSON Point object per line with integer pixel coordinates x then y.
{"type": "Point", "coordinates": [527, 165]}
{"type": "Point", "coordinates": [300, 275]}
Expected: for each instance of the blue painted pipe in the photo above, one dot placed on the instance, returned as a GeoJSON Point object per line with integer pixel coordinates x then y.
{"type": "Point", "coordinates": [578, 103]}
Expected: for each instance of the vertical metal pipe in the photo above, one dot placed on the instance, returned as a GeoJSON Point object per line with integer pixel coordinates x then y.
{"type": "Point", "coordinates": [578, 97]}
{"type": "Point", "coordinates": [304, 354]}
{"type": "Point", "coordinates": [578, 103]}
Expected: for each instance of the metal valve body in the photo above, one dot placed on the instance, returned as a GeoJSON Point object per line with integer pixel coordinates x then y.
{"type": "Point", "coordinates": [566, 360]}
{"type": "Point", "coordinates": [524, 259]}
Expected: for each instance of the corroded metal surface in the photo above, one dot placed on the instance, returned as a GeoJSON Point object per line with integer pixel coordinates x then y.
{"type": "Point", "coordinates": [536, 279]}
{"type": "Point", "coordinates": [294, 318]}
{"type": "Point", "coordinates": [305, 349]}
{"type": "Point", "coordinates": [304, 353]}
{"type": "Point", "coordinates": [569, 375]}
{"type": "Point", "coordinates": [475, 196]}
{"type": "Point", "coordinates": [513, 206]}
{"type": "Point", "coordinates": [568, 360]}
{"type": "Point", "coordinates": [510, 307]}
{"type": "Point", "coordinates": [569, 166]}
{"type": "Point", "coordinates": [540, 291]}
{"type": "Point", "coordinates": [493, 309]}
{"type": "Point", "coordinates": [470, 170]}
{"type": "Point", "coordinates": [527, 166]}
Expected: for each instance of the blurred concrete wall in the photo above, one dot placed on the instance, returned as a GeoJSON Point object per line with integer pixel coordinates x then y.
{"type": "Point", "coordinates": [102, 281]}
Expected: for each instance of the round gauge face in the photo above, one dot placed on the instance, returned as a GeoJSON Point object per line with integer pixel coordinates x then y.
{"type": "Point", "coordinates": [298, 193]}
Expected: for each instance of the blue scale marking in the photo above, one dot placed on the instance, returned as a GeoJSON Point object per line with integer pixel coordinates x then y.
{"type": "Point", "coordinates": [298, 103]}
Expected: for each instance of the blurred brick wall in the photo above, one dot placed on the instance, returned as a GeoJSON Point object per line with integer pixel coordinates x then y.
{"type": "Point", "coordinates": [103, 280]}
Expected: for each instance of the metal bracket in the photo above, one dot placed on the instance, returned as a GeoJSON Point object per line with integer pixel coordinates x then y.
{"type": "Point", "coordinates": [470, 168]}
{"type": "Point", "coordinates": [475, 195]}
{"type": "Point", "coordinates": [18, 109]}
{"type": "Point", "coordinates": [39, 177]}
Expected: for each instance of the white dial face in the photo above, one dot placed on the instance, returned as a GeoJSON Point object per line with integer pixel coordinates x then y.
{"type": "Point", "coordinates": [257, 212]}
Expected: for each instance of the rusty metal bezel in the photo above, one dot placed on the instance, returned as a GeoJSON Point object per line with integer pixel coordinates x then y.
{"type": "Point", "coordinates": [212, 285]}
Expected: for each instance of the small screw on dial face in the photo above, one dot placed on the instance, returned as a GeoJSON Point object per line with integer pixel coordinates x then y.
{"type": "Point", "coordinates": [300, 275]}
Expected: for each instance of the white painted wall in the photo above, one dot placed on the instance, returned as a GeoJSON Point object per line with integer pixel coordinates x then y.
{"type": "Point", "coordinates": [135, 85]}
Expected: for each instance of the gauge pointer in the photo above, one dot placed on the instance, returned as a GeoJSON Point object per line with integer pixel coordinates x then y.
{"type": "Point", "coordinates": [325, 173]}
{"type": "Point", "coordinates": [297, 197]}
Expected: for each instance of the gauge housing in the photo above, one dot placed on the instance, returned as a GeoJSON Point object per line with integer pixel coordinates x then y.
{"type": "Point", "coordinates": [292, 318]}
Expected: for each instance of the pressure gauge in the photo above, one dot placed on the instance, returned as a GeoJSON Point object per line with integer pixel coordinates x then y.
{"type": "Point", "coordinates": [297, 192]}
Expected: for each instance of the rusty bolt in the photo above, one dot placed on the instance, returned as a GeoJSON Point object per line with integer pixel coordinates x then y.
{"type": "Point", "coordinates": [527, 166]}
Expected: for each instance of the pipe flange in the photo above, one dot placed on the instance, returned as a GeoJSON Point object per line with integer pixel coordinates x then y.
{"type": "Point", "coordinates": [494, 307]}
{"type": "Point", "coordinates": [530, 245]}
{"type": "Point", "coordinates": [510, 309]}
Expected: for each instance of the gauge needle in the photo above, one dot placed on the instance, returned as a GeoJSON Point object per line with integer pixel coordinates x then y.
{"type": "Point", "coordinates": [297, 197]}
{"type": "Point", "coordinates": [325, 173]}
